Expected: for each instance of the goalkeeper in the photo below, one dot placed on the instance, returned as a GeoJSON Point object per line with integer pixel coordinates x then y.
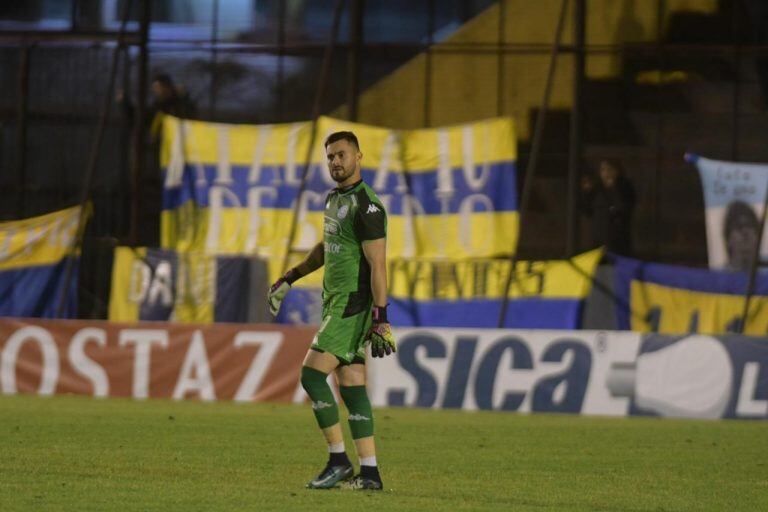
{"type": "Point", "coordinates": [354, 313]}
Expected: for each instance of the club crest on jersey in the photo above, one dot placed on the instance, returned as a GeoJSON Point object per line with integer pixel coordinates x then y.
{"type": "Point", "coordinates": [372, 208]}
{"type": "Point", "coordinates": [342, 211]}
{"type": "Point", "coordinates": [331, 226]}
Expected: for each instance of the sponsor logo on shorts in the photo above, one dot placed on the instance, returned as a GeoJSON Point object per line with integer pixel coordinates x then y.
{"type": "Point", "coordinates": [358, 417]}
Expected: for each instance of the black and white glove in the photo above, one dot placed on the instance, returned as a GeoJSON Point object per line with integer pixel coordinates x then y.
{"type": "Point", "coordinates": [278, 290]}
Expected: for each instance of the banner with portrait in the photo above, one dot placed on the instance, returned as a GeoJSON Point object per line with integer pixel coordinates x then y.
{"type": "Point", "coordinates": [734, 194]}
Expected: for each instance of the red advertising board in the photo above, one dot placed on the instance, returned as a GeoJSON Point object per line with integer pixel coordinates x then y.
{"type": "Point", "coordinates": [152, 359]}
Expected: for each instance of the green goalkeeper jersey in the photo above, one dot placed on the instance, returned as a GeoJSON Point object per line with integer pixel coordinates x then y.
{"type": "Point", "coordinates": [352, 216]}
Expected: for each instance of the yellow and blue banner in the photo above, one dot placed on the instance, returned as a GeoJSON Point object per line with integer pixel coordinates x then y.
{"type": "Point", "coordinates": [542, 295]}
{"type": "Point", "coordinates": [451, 200]}
{"type": "Point", "coordinates": [162, 285]}
{"type": "Point", "coordinates": [469, 293]}
{"type": "Point", "coordinates": [450, 192]}
{"type": "Point", "coordinates": [33, 256]}
{"type": "Point", "coordinates": [671, 299]}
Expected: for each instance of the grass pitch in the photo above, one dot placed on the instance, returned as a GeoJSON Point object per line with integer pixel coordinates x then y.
{"type": "Point", "coordinates": [76, 453]}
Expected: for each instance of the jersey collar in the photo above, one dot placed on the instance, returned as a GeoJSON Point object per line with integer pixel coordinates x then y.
{"type": "Point", "coordinates": [348, 188]}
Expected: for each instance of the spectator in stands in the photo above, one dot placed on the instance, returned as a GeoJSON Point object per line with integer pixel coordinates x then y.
{"type": "Point", "coordinates": [170, 98]}
{"type": "Point", "coordinates": [167, 98]}
{"type": "Point", "coordinates": [741, 232]}
{"type": "Point", "coordinates": [609, 201]}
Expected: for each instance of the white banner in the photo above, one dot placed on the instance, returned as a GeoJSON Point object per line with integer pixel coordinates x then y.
{"type": "Point", "coordinates": [611, 373]}
{"type": "Point", "coordinates": [733, 197]}
{"type": "Point", "coordinates": [579, 372]}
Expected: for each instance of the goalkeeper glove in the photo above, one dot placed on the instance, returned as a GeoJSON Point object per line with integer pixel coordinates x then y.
{"type": "Point", "coordinates": [278, 290]}
{"type": "Point", "coordinates": [380, 334]}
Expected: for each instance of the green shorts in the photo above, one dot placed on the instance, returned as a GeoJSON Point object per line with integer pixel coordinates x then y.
{"type": "Point", "coordinates": [341, 333]}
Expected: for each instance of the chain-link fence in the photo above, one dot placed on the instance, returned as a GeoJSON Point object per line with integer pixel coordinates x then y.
{"type": "Point", "coordinates": [661, 78]}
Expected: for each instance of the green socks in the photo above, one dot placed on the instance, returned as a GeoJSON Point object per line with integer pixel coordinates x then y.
{"type": "Point", "coordinates": [360, 413]}
{"type": "Point", "coordinates": [323, 404]}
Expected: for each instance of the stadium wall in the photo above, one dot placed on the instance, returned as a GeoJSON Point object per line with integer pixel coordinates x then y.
{"type": "Point", "coordinates": [611, 373]}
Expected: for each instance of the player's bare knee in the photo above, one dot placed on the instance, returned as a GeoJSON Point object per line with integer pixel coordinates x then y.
{"type": "Point", "coordinates": [351, 375]}
{"type": "Point", "coordinates": [320, 360]}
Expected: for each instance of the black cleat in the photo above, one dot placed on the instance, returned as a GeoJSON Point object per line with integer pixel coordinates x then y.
{"type": "Point", "coordinates": [361, 483]}
{"type": "Point", "coordinates": [331, 476]}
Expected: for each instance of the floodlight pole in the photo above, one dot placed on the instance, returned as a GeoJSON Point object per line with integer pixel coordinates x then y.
{"type": "Point", "coordinates": [754, 264]}
{"type": "Point", "coordinates": [427, 113]}
{"type": "Point", "coordinates": [500, 60]}
{"type": "Point", "coordinates": [21, 130]}
{"type": "Point", "coordinates": [138, 135]}
{"type": "Point", "coordinates": [316, 108]}
{"type": "Point", "coordinates": [530, 170]}
{"type": "Point", "coordinates": [212, 93]}
{"type": "Point", "coordinates": [280, 70]}
{"type": "Point", "coordinates": [576, 125]}
{"type": "Point", "coordinates": [85, 191]}
{"type": "Point", "coordinates": [356, 8]}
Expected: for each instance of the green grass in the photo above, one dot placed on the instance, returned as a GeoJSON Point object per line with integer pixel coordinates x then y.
{"type": "Point", "coordinates": [75, 453]}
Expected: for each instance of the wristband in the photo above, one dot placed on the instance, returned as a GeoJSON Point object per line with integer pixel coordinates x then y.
{"type": "Point", "coordinates": [379, 315]}
{"type": "Point", "coordinates": [292, 276]}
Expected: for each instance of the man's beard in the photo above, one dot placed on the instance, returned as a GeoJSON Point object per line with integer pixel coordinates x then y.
{"type": "Point", "coordinates": [343, 176]}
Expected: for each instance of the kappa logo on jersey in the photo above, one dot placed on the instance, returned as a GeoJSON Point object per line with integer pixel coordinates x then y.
{"type": "Point", "coordinates": [342, 212]}
{"type": "Point", "coordinates": [372, 208]}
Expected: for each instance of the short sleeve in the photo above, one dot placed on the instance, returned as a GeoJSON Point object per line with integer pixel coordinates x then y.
{"type": "Point", "coordinates": [370, 222]}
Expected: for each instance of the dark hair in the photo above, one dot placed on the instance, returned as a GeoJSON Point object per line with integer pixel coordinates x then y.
{"type": "Point", "coordinates": [347, 136]}
{"type": "Point", "coordinates": [164, 79]}
{"type": "Point", "coordinates": [615, 163]}
{"type": "Point", "coordinates": [735, 216]}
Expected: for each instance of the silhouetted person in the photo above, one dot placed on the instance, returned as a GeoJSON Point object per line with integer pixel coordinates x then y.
{"type": "Point", "coordinates": [167, 98]}
{"type": "Point", "coordinates": [609, 202]}
{"type": "Point", "coordinates": [741, 232]}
